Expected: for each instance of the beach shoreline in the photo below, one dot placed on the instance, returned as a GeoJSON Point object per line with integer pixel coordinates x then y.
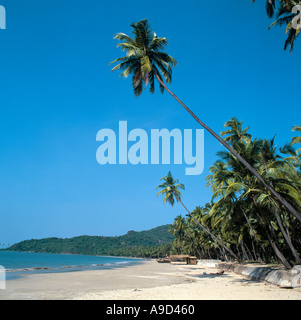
{"type": "Point", "coordinates": [147, 280]}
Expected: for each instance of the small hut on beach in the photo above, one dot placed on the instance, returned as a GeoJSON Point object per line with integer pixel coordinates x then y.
{"type": "Point", "coordinates": [184, 259]}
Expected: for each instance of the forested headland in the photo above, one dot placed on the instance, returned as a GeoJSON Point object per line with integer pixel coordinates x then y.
{"type": "Point", "coordinates": [145, 244]}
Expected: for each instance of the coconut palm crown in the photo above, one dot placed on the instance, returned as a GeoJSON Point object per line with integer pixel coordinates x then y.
{"type": "Point", "coordinates": [144, 58]}
{"type": "Point", "coordinates": [170, 188]}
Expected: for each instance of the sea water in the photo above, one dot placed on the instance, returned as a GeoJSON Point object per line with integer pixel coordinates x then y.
{"type": "Point", "coordinates": [17, 264]}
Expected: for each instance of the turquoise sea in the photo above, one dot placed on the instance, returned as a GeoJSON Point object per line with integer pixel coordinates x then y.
{"type": "Point", "coordinates": [17, 264]}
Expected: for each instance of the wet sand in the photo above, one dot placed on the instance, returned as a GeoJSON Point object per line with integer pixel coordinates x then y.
{"type": "Point", "coordinates": [148, 280]}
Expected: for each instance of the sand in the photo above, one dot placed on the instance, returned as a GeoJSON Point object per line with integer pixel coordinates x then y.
{"type": "Point", "coordinates": [146, 281]}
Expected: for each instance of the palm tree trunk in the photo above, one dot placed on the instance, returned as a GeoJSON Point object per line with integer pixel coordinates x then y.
{"type": "Point", "coordinates": [207, 231]}
{"type": "Point", "coordinates": [294, 231]}
{"type": "Point", "coordinates": [279, 254]}
{"type": "Point", "coordinates": [256, 255]}
{"type": "Point", "coordinates": [209, 255]}
{"type": "Point", "coordinates": [272, 242]}
{"type": "Point", "coordinates": [243, 249]}
{"type": "Point", "coordinates": [250, 253]}
{"type": "Point", "coordinates": [250, 226]}
{"type": "Point", "coordinates": [241, 159]}
{"type": "Point", "coordinates": [278, 218]}
{"type": "Point", "coordinates": [286, 237]}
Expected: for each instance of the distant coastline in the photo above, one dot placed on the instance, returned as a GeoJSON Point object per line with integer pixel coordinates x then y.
{"type": "Point", "coordinates": [144, 244]}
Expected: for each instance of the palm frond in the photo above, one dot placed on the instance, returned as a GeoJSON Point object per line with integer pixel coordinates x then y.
{"type": "Point", "coordinates": [270, 6]}
{"type": "Point", "coordinates": [123, 37]}
{"type": "Point", "coordinates": [158, 43]}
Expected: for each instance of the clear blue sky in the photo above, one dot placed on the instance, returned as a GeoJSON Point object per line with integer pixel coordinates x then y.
{"type": "Point", "coordinates": [57, 91]}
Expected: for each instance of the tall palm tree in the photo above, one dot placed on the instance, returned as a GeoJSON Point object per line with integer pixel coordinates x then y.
{"type": "Point", "coordinates": [144, 58]}
{"type": "Point", "coordinates": [235, 133]}
{"type": "Point", "coordinates": [170, 189]}
{"type": "Point", "coordinates": [146, 61]}
{"type": "Point", "coordinates": [181, 231]}
{"type": "Point", "coordinates": [178, 229]}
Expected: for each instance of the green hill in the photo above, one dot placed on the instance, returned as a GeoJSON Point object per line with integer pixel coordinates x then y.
{"type": "Point", "coordinates": [151, 243]}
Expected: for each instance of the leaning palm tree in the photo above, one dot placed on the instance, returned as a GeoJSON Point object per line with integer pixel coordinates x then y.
{"type": "Point", "coordinates": [170, 189]}
{"type": "Point", "coordinates": [146, 61]}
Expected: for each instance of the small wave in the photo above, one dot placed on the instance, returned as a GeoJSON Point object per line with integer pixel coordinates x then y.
{"type": "Point", "coordinates": [111, 264]}
{"type": "Point", "coordinates": [70, 267]}
{"type": "Point", "coordinates": [82, 266]}
{"type": "Point", "coordinates": [29, 269]}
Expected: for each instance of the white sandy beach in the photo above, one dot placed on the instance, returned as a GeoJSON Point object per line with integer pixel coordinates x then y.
{"type": "Point", "coordinates": [146, 281]}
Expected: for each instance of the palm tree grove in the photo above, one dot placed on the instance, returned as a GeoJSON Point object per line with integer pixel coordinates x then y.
{"type": "Point", "coordinates": [255, 210]}
{"type": "Point", "coordinates": [243, 221]}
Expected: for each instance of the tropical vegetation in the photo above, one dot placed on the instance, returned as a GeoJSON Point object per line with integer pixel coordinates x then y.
{"type": "Point", "coordinates": [243, 220]}
{"type": "Point", "coordinates": [152, 243]}
{"type": "Point", "coordinates": [146, 61]}
{"type": "Point", "coordinates": [255, 208]}
{"type": "Point", "coordinates": [287, 12]}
